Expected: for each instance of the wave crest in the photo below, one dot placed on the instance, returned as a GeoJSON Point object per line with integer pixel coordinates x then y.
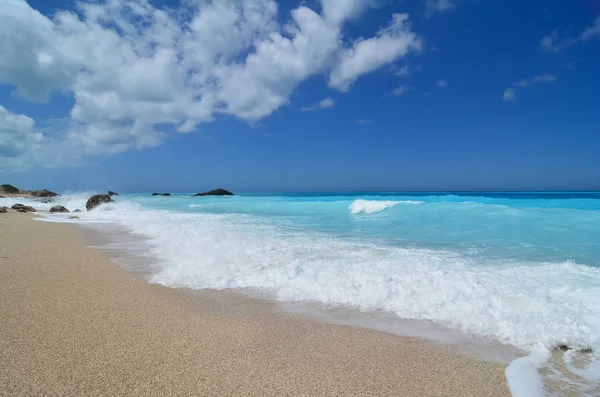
{"type": "Point", "coordinates": [370, 206]}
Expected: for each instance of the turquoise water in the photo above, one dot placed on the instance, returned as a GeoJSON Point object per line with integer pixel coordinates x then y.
{"type": "Point", "coordinates": [528, 226]}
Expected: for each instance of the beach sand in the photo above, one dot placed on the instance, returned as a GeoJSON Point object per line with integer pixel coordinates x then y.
{"type": "Point", "coordinates": [73, 323]}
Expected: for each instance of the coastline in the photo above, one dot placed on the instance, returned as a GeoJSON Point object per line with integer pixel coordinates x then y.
{"type": "Point", "coordinates": [73, 322]}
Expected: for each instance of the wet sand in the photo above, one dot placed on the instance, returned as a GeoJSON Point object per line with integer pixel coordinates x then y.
{"type": "Point", "coordinates": [73, 323]}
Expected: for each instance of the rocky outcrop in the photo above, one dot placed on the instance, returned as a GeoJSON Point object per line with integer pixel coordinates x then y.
{"type": "Point", "coordinates": [3, 210]}
{"type": "Point", "coordinates": [43, 193]}
{"type": "Point", "coordinates": [77, 210]}
{"type": "Point", "coordinates": [111, 193]}
{"type": "Point", "coordinates": [23, 208]}
{"type": "Point", "coordinates": [58, 208]}
{"type": "Point", "coordinates": [11, 191]}
{"type": "Point", "coordinates": [156, 194]}
{"type": "Point", "coordinates": [166, 194]}
{"type": "Point", "coordinates": [216, 192]}
{"type": "Point", "coordinates": [97, 200]}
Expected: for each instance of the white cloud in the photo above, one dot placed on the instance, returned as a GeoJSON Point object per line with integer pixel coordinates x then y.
{"type": "Point", "coordinates": [510, 94]}
{"type": "Point", "coordinates": [323, 104]}
{"type": "Point", "coordinates": [554, 43]}
{"type": "Point", "coordinates": [21, 143]}
{"type": "Point", "coordinates": [592, 31]}
{"type": "Point", "coordinates": [137, 72]}
{"type": "Point", "coordinates": [400, 90]}
{"type": "Point", "coordinates": [543, 78]}
{"type": "Point", "coordinates": [365, 121]}
{"type": "Point", "coordinates": [366, 55]}
{"type": "Point", "coordinates": [435, 6]}
{"type": "Point", "coordinates": [441, 83]}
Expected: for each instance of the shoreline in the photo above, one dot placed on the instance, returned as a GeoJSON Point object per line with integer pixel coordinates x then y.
{"type": "Point", "coordinates": [74, 322]}
{"type": "Point", "coordinates": [128, 249]}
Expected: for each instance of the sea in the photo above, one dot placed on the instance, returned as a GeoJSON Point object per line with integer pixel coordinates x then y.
{"type": "Point", "coordinates": [520, 269]}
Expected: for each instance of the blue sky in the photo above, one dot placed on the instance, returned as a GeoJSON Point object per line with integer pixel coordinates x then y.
{"type": "Point", "coordinates": [253, 95]}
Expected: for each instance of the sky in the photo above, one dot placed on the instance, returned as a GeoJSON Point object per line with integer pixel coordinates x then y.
{"type": "Point", "coordinates": [313, 95]}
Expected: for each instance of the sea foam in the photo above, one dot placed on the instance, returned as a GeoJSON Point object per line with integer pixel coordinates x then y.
{"type": "Point", "coordinates": [524, 304]}
{"type": "Point", "coordinates": [369, 206]}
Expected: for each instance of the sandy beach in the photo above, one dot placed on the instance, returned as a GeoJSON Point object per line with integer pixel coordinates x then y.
{"type": "Point", "coordinates": [73, 323]}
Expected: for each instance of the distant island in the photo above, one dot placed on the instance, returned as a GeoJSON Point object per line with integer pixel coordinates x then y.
{"type": "Point", "coordinates": [215, 192]}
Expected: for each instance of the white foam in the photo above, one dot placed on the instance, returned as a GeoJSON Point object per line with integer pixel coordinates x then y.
{"type": "Point", "coordinates": [523, 376]}
{"type": "Point", "coordinates": [523, 304]}
{"type": "Point", "coordinates": [369, 206]}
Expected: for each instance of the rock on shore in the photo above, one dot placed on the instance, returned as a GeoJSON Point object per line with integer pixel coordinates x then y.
{"type": "Point", "coordinates": [23, 208]}
{"type": "Point", "coordinates": [97, 200]}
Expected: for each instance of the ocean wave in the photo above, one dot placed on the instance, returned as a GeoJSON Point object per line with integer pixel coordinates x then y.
{"type": "Point", "coordinates": [370, 206]}
{"type": "Point", "coordinates": [520, 303]}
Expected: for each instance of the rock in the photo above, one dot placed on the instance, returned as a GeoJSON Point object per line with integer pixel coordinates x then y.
{"type": "Point", "coordinates": [96, 200]}
{"type": "Point", "coordinates": [10, 189]}
{"type": "Point", "coordinates": [3, 210]}
{"type": "Point", "coordinates": [166, 194]}
{"type": "Point", "coordinates": [43, 193]}
{"type": "Point", "coordinates": [58, 208]}
{"type": "Point", "coordinates": [111, 193]}
{"type": "Point", "coordinates": [216, 192]}
{"type": "Point", "coordinates": [156, 194]}
{"type": "Point", "coordinates": [23, 208]}
{"type": "Point", "coordinates": [77, 210]}
{"type": "Point", "coordinates": [1, 196]}
{"type": "Point", "coordinates": [73, 217]}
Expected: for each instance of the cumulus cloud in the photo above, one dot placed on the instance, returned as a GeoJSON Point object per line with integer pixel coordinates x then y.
{"type": "Point", "coordinates": [323, 104]}
{"type": "Point", "coordinates": [21, 143]}
{"type": "Point", "coordinates": [441, 83]}
{"type": "Point", "coordinates": [137, 72]}
{"type": "Point", "coordinates": [366, 55]}
{"type": "Point", "coordinates": [510, 94]}
{"type": "Point", "coordinates": [553, 42]}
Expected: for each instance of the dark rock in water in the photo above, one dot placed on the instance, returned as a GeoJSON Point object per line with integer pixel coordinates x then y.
{"type": "Point", "coordinates": [58, 208]}
{"type": "Point", "coordinates": [1, 196]}
{"type": "Point", "coordinates": [77, 210]}
{"type": "Point", "coordinates": [166, 194]}
{"type": "Point", "coordinates": [23, 208]}
{"type": "Point", "coordinates": [111, 193]}
{"type": "Point", "coordinates": [3, 210]}
{"type": "Point", "coordinates": [10, 189]}
{"type": "Point", "coordinates": [216, 192]}
{"type": "Point", "coordinates": [43, 193]}
{"type": "Point", "coordinates": [96, 200]}
{"type": "Point", "coordinates": [156, 194]}
{"type": "Point", "coordinates": [565, 348]}
{"type": "Point", "coordinates": [73, 217]}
